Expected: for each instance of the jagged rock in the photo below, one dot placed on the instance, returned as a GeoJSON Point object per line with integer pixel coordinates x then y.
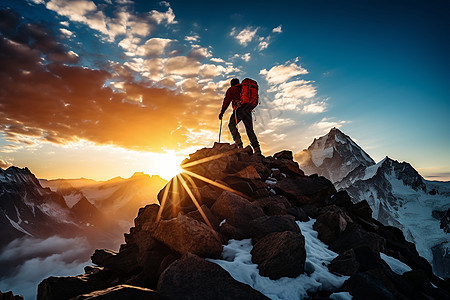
{"type": "Point", "coordinates": [237, 211]}
{"type": "Point", "coordinates": [150, 262]}
{"type": "Point", "coordinates": [184, 235]}
{"type": "Point", "coordinates": [249, 172]}
{"type": "Point", "coordinates": [239, 184]}
{"type": "Point", "coordinates": [341, 198]}
{"type": "Point", "coordinates": [306, 190]}
{"type": "Point", "coordinates": [62, 288]}
{"type": "Point", "coordinates": [285, 154]}
{"type": "Point", "coordinates": [196, 215]}
{"type": "Point", "coordinates": [298, 213]}
{"type": "Point", "coordinates": [311, 211]}
{"type": "Point", "coordinates": [124, 262]}
{"type": "Point", "coordinates": [345, 264]}
{"type": "Point", "coordinates": [280, 254]}
{"type": "Point", "coordinates": [331, 223]}
{"type": "Point", "coordinates": [441, 259]}
{"type": "Point", "coordinates": [10, 296]}
{"type": "Point", "coordinates": [445, 222]}
{"type": "Point", "coordinates": [120, 292]}
{"type": "Point", "coordinates": [365, 286]}
{"type": "Point", "coordinates": [266, 225]}
{"type": "Point", "coordinates": [194, 278]}
{"type": "Point", "coordinates": [353, 236]}
{"type": "Point", "coordinates": [287, 166]}
{"type": "Point", "coordinates": [228, 231]}
{"type": "Point", "coordinates": [361, 209]}
{"type": "Point", "coordinates": [273, 205]}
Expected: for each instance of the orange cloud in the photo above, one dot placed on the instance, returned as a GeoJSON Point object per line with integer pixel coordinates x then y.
{"type": "Point", "coordinates": [60, 103]}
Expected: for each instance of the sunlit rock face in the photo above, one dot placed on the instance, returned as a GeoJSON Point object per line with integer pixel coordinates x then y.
{"type": "Point", "coordinates": [233, 222]}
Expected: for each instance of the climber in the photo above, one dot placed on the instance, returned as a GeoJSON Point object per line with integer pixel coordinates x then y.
{"type": "Point", "coordinates": [244, 98]}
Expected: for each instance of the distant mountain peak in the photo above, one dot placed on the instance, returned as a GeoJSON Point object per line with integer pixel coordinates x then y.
{"type": "Point", "coordinates": [333, 155]}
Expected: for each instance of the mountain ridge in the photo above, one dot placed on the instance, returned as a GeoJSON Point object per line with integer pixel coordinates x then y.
{"type": "Point", "coordinates": [399, 196]}
{"type": "Point", "coordinates": [233, 222]}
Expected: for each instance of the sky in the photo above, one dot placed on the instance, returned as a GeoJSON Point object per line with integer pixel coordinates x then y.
{"type": "Point", "coordinates": [100, 89]}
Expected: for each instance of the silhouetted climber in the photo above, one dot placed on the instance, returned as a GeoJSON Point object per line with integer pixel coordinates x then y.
{"type": "Point", "coordinates": [244, 98]}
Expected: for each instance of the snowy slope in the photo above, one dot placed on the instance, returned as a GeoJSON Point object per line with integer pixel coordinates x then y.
{"type": "Point", "coordinates": [333, 155]}
{"type": "Point", "coordinates": [237, 260]}
{"type": "Point", "coordinates": [397, 194]}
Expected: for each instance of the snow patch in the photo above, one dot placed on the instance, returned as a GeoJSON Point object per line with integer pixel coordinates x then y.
{"type": "Point", "coordinates": [237, 260]}
{"type": "Point", "coordinates": [372, 170]}
{"type": "Point", "coordinates": [319, 155]}
{"type": "Point", "coordinates": [17, 226]}
{"type": "Point", "coordinates": [341, 296]}
{"type": "Point", "coordinates": [396, 266]}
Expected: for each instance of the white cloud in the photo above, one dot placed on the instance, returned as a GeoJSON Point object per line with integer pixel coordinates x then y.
{"type": "Point", "coordinates": [66, 32]}
{"type": "Point", "coordinates": [246, 57]}
{"type": "Point", "coordinates": [199, 53]}
{"type": "Point", "coordinates": [325, 124]}
{"type": "Point", "coordinates": [277, 29]}
{"type": "Point", "coordinates": [315, 108]}
{"type": "Point", "coordinates": [159, 17]}
{"type": "Point", "coordinates": [210, 70]}
{"type": "Point", "coordinates": [263, 45]}
{"type": "Point", "coordinates": [182, 65]}
{"type": "Point", "coordinates": [245, 36]}
{"type": "Point", "coordinates": [217, 60]}
{"type": "Point", "coordinates": [153, 47]}
{"type": "Point", "coordinates": [192, 38]}
{"type": "Point", "coordinates": [283, 73]}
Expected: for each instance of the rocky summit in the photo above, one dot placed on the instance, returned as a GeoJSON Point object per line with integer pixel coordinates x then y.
{"type": "Point", "coordinates": [226, 194]}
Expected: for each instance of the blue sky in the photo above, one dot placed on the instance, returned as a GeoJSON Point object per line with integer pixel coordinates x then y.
{"type": "Point", "coordinates": [378, 70]}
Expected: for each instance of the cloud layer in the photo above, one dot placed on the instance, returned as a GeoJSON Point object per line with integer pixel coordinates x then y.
{"type": "Point", "coordinates": [45, 97]}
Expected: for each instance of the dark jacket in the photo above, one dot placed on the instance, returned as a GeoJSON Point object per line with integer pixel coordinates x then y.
{"type": "Point", "coordinates": [233, 93]}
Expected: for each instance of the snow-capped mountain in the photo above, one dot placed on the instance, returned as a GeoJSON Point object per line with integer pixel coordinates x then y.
{"type": "Point", "coordinates": [396, 192]}
{"type": "Point", "coordinates": [28, 209]}
{"type": "Point", "coordinates": [333, 156]}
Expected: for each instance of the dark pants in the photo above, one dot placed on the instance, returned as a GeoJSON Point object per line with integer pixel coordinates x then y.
{"type": "Point", "coordinates": [243, 114]}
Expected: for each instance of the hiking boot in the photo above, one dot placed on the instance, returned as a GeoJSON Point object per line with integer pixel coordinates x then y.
{"type": "Point", "coordinates": [238, 143]}
{"type": "Point", "coordinates": [257, 151]}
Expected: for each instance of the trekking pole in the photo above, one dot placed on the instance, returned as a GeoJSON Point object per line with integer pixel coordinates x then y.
{"type": "Point", "coordinates": [220, 130]}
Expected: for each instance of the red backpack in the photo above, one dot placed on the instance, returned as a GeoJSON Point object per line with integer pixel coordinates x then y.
{"type": "Point", "coordinates": [249, 93]}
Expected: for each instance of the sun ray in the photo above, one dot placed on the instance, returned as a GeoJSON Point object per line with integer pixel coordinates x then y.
{"type": "Point", "coordinates": [194, 200]}
{"type": "Point", "coordinates": [163, 201]}
{"type": "Point", "coordinates": [217, 184]}
{"type": "Point", "coordinates": [209, 158]}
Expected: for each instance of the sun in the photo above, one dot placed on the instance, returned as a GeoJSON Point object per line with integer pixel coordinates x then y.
{"type": "Point", "coordinates": [166, 165]}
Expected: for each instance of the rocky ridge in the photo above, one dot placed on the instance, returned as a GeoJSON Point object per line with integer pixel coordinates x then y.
{"type": "Point", "coordinates": [227, 193]}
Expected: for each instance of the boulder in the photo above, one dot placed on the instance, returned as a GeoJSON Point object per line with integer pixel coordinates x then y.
{"type": "Point", "coordinates": [331, 223]}
{"type": "Point", "coordinates": [192, 277]}
{"type": "Point", "coordinates": [366, 286]}
{"type": "Point", "coordinates": [183, 235]}
{"type": "Point", "coordinates": [69, 287]}
{"type": "Point", "coordinates": [345, 264]}
{"type": "Point", "coordinates": [239, 184]}
{"type": "Point", "coordinates": [306, 190]}
{"type": "Point", "coordinates": [237, 211]}
{"type": "Point", "coordinates": [120, 292]}
{"type": "Point", "coordinates": [228, 231]}
{"type": "Point", "coordinates": [298, 213]}
{"type": "Point", "coordinates": [122, 262]}
{"type": "Point", "coordinates": [287, 166]}
{"type": "Point", "coordinates": [285, 154]}
{"type": "Point", "coordinates": [196, 215]}
{"type": "Point", "coordinates": [266, 225]}
{"type": "Point", "coordinates": [280, 254]}
{"type": "Point", "coordinates": [354, 236]}
{"type": "Point", "coordinates": [249, 172]}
